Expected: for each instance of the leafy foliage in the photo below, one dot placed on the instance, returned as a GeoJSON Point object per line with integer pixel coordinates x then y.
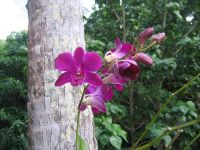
{"type": "Point", "coordinates": [176, 61]}
{"type": "Point", "coordinates": [13, 91]}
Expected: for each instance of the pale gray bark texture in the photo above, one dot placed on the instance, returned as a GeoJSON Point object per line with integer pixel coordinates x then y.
{"type": "Point", "coordinates": [55, 26]}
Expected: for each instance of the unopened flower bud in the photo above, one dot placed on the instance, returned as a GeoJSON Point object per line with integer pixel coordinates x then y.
{"type": "Point", "coordinates": [159, 37]}
{"type": "Point", "coordinates": [145, 35]}
{"type": "Point", "coordinates": [144, 58]}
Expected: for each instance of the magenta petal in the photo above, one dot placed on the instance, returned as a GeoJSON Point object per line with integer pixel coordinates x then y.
{"type": "Point", "coordinates": [64, 62]}
{"type": "Point", "coordinates": [118, 43]}
{"type": "Point", "coordinates": [63, 78]}
{"type": "Point", "coordinates": [91, 61]}
{"type": "Point", "coordinates": [111, 78]}
{"type": "Point", "coordinates": [107, 92]}
{"type": "Point", "coordinates": [82, 107]}
{"type": "Point", "coordinates": [118, 55]}
{"type": "Point", "coordinates": [78, 56]}
{"type": "Point", "coordinates": [144, 58]}
{"type": "Point", "coordinates": [95, 110]}
{"type": "Point", "coordinates": [119, 87]}
{"type": "Point", "coordinates": [98, 103]}
{"type": "Point", "coordinates": [93, 79]}
{"type": "Point", "coordinates": [90, 89]}
{"type": "Point", "coordinates": [126, 47]}
{"type": "Point", "coordinates": [124, 65]}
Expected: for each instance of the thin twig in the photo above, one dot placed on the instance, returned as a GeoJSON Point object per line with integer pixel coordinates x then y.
{"type": "Point", "coordinates": [117, 16]}
{"type": "Point", "coordinates": [192, 141]}
{"type": "Point", "coordinates": [174, 139]}
{"type": "Point", "coordinates": [162, 108]}
{"type": "Point", "coordinates": [168, 130]}
{"type": "Point", "coordinates": [165, 14]}
{"type": "Point", "coordinates": [124, 21]}
{"type": "Point", "coordinates": [186, 34]}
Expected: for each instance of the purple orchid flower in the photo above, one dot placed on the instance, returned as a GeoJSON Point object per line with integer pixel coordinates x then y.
{"type": "Point", "coordinates": [144, 58]}
{"type": "Point", "coordinates": [96, 98]}
{"type": "Point", "coordinates": [125, 70]}
{"type": "Point", "coordinates": [120, 50]}
{"type": "Point", "coordinates": [79, 68]}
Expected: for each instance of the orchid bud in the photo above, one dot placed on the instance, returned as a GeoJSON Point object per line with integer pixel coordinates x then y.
{"type": "Point", "coordinates": [145, 35]}
{"type": "Point", "coordinates": [159, 37]}
{"type": "Point", "coordinates": [144, 58]}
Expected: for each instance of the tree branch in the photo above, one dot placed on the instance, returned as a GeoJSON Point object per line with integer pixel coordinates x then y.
{"type": "Point", "coordinates": [168, 130]}
{"type": "Point", "coordinates": [163, 107]}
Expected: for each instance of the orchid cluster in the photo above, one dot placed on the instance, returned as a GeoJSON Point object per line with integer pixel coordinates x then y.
{"type": "Point", "coordinates": [120, 65]}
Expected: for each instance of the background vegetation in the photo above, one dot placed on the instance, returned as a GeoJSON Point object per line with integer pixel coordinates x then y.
{"type": "Point", "coordinates": [176, 61]}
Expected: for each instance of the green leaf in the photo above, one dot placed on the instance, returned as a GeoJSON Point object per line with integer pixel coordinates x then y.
{"type": "Point", "coordinates": [104, 139]}
{"type": "Point", "coordinates": [194, 114]}
{"type": "Point", "coordinates": [118, 131]}
{"type": "Point", "coordinates": [177, 13]}
{"type": "Point", "coordinates": [116, 141]}
{"type": "Point", "coordinates": [190, 105]}
{"type": "Point", "coordinates": [184, 109]}
{"type": "Point", "coordinates": [167, 140]}
{"type": "Point", "coordinates": [82, 145]}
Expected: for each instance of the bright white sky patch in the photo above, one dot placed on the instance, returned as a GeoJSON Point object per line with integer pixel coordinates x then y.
{"type": "Point", "coordinates": [189, 18]}
{"type": "Point", "coordinates": [14, 17]}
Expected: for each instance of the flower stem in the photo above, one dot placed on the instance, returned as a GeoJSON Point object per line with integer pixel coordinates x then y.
{"type": "Point", "coordinates": [162, 108]}
{"type": "Point", "coordinates": [78, 117]}
{"type": "Point", "coordinates": [170, 129]}
{"type": "Point", "coordinates": [149, 46]}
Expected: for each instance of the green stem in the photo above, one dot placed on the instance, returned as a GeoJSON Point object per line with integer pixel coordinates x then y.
{"type": "Point", "coordinates": [78, 117]}
{"type": "Point", "coordinates": [124, 21]}
{"type": "Point", "coordinates": [162, 108]}
{"type": "Point", "coordinates": [149, 46]}
{"type": "Point", "coordinates": [191, 142]}
{"type": "Point", "coordinates": [174, 139]}
{"type": "Point", "coordinates": [170, 129]}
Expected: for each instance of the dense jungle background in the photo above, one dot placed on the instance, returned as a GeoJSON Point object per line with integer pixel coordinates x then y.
{"type": "Point", "coordinates": [176, 61]}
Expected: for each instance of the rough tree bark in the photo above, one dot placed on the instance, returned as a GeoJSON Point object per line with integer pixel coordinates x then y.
{"type": "Point", "coordinates": [54, 26]}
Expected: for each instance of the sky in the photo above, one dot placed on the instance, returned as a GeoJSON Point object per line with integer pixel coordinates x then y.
{"type": "Point", "coordinates": [14, 17]}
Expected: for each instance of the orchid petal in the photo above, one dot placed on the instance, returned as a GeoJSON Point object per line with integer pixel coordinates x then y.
{"type": "Point", "coordinates": [95, 110]}
{"type": "Point", "coordinates": [111, 78]}
{"type": "Point", "coordinates": [128, 69]}
{"type": "Point", "coordinates": [118, 43]}
{"type": "Point", "coordinates": [126, 47]}
{"type": "Point", "coordinates": [95, 102]}
{"type": "Point", "coordinates": [82, 107]}
{"type": "Point", "coordinates": [91, 61]}
{"type": "Point", "coordinates": [98, 103]}
{"type": "Point", "coordinates": [93, 79]}
{"type": "Point", "coordinates": [107, 92]}
{"type": "Point", "coordinates": [78, 56]}
{"type": "Point", "coordinates": [90, 89]}
{"type": "Point", "coordinates": [119, 87]}
{"type": "Point", "coordinates": [64, 62]}
{"type": "Point", "coordinates": [63, 78]}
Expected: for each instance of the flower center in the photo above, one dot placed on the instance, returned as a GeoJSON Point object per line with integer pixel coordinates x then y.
{"type": "Point", "coordinates": [78, 76]}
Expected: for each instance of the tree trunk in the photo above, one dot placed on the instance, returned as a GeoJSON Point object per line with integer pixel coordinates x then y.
{"type": "Point", "coordinates": [55, 26]}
